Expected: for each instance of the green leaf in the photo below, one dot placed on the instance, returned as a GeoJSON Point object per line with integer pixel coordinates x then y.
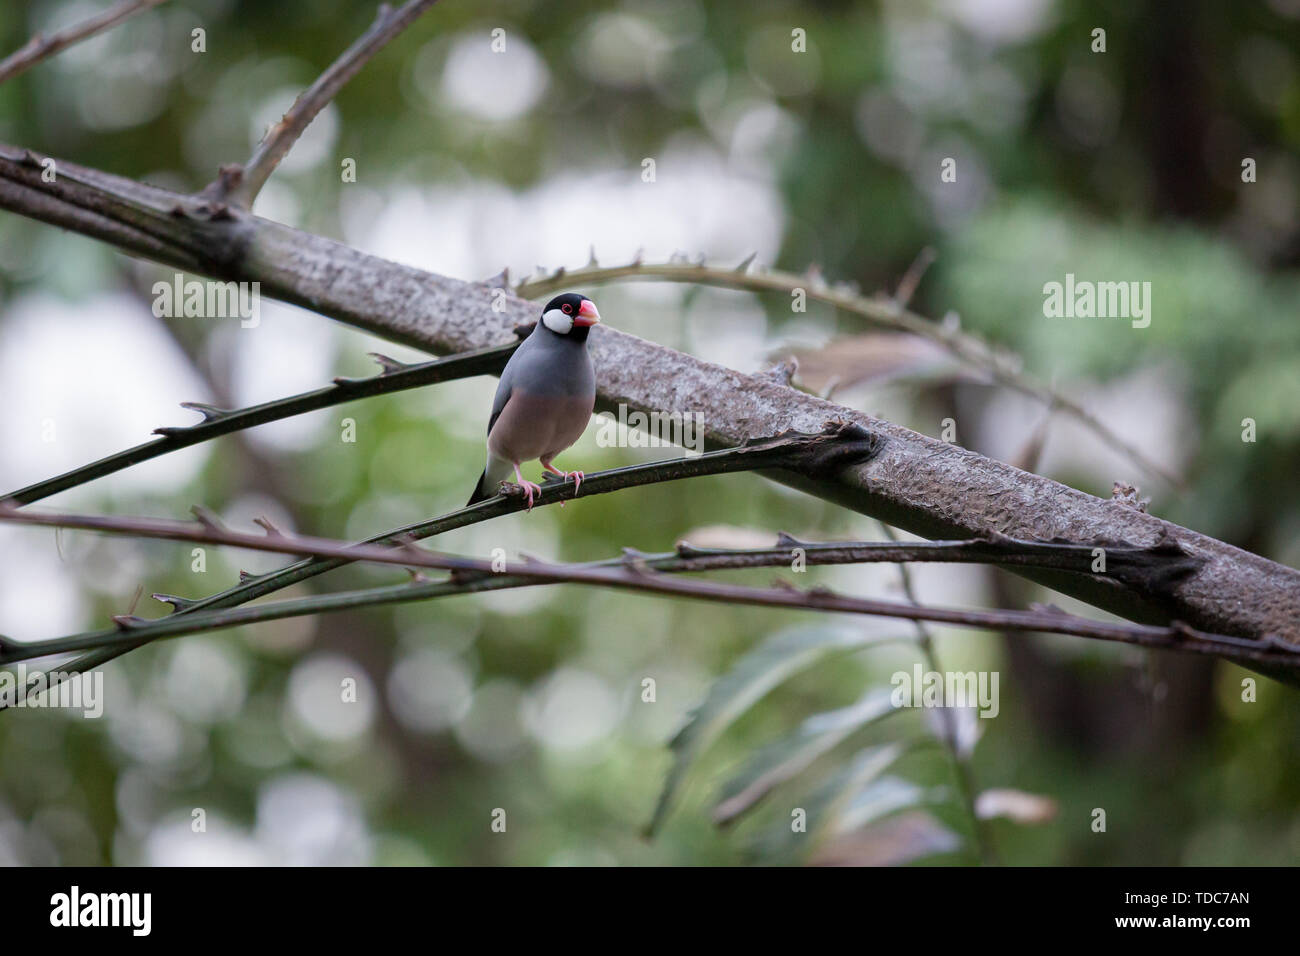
{"type": "Point", "coordinates": [851, 795]}
{"type": "Point", "coordinates": [753, 676]}
{"type": "Point", "coordinates": [788, 757]}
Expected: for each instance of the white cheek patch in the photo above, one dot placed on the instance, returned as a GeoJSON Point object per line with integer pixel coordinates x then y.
{"type": "Point", "coordinates": [557, 321]}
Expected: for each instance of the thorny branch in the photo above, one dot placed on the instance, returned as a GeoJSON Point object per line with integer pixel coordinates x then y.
{"type": "Point", "coordinates": [39, 47]}
{"type": "Point", "coordinates": [885, 311]}
{"type": "Point", "coordinates": [633, 571]}
{"type": "Point", "coordinates": [836, 447]}
{"type": "Point", "coordinates": [396, 376]}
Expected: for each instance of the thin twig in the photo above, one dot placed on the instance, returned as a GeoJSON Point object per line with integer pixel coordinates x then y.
{"type": "Point", "coordinates": [633, 571]}
{"type": "Point", "coordinates": [1002, 367]}
{"type": "Point", "coordinates": [216, 422]}
{"type": "Point", "coordinates": [685, 557]}
{"type": "Point", "coordinates": [40, 46]}
{"type": "Point", "coordinates": [241, 184]}
{"type": "Point", "coordinates": [815, 454]}
{"type": "Point", "coordinates": [911, 280]}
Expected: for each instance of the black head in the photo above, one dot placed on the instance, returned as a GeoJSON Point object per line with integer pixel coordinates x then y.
{"type": "Point", "coordinates": [570, 315]}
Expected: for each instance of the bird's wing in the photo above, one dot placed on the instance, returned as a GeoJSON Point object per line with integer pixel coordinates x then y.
{"type": "Point", "coordinates": [499, 403]}
{"type": "Point", "coordinates": [507, 384]}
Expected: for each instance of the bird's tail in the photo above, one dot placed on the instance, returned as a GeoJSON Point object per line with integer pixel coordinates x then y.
{"type": "Point", "coordinates": [481, 492]}
{"type": "Point", "coordinates": [496, 471]}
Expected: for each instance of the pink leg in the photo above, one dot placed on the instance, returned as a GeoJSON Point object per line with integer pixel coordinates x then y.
{"type": "Point", "coordinates": [577, 477]}
{"type": "Point", "coordinates": [530, 488]}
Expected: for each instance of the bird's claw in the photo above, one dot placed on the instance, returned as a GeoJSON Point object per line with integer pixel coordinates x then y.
{"type": "Point", "coordinates": [577, 477]}
{"type": "Point", "coordinates": [531, 488]}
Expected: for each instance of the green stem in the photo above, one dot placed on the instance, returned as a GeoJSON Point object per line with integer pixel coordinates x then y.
{"type": "Point", "coordinates": [216, 422]}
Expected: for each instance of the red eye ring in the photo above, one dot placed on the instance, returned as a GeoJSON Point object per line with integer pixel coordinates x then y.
{"type": "Point", "coordinates": [567, 308]}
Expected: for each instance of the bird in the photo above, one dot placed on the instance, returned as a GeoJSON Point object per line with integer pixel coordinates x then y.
{"type": "Point", "coordinates": [544, 400]}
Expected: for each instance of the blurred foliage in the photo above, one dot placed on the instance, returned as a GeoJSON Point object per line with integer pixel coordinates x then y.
{"type": "Point", "coordinates": [1123, 165]}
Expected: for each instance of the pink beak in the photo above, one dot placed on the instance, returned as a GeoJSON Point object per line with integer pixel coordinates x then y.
{"type": "Point", "coordinates": [587, 314]}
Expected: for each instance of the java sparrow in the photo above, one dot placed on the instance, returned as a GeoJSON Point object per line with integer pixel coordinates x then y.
{"type": "Point", "coordinates": [545, 399]}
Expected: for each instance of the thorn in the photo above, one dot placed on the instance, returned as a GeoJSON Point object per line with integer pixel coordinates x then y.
{"type": "Point", "coordinates": [271, 530]}
{"type": "Point", "coordinates": [786, 540]}
{"type": "Point", "coordinates": [177, 603]}
{"type": "Point", "coordinates": [417, 576]}
{"type": "Point", "coordinates": [389, 365]}
{"type": "Point", "coordinates": [591, 261]}
{"type": "Point", "coordinates": [207, 518]}
{"type": "Point", "coordinates": [126, 622]}
{"type": "Point", "coordinates": [245, 576]}
{"type": "Point", "coordinates": [634, 561]}
{"type": "Point", "coordinates": [210, 413]}
{"type": "Point", "coordinates": [1044, 608]}
{"type": "Point", "coordinates": [745, 263]}
{"type": "Point", "coordinates": [684, 549]}
{"type": "Point", "coordinates": [781, 584]}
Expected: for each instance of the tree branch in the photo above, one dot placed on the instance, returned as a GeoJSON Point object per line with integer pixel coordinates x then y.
{"type": "Point", "coordinates": [41, 47]}
{"type": "Point", "coordinates": [891, 313]}
{"type": "Point", "coordinates": [923, 485]}
{"type": "Point", "coordinates": [395, 377]}
{"type": "Point", "coordinates": [633, 571]}
{"type": "Point", "coordinates": [241, 184]}
{"type": "Point", "coordinates": [817, 453]}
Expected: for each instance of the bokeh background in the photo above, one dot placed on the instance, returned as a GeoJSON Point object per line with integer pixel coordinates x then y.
{"type": "Point", "coordinates": [1122, 165]}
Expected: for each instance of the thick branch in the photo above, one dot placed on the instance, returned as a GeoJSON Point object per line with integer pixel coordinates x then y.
{"type": "Point", "coordinates": [883, 311]}
{"type": "Point", "coordinates": [917, 483]}
{"type": "Point", "coordinates": [241, 184]}
{"type": "Point", "coordinates": [39, 47]}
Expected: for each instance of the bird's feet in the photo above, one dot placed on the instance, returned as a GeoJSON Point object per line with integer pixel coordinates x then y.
{"type": "Point", "coordinates": [577, 477]}
{"type": "Point", "coordinates": [531, 488]}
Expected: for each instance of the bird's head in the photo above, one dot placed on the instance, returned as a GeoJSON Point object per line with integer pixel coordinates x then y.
{"type": "Point", "coordinates": [570, 315]}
